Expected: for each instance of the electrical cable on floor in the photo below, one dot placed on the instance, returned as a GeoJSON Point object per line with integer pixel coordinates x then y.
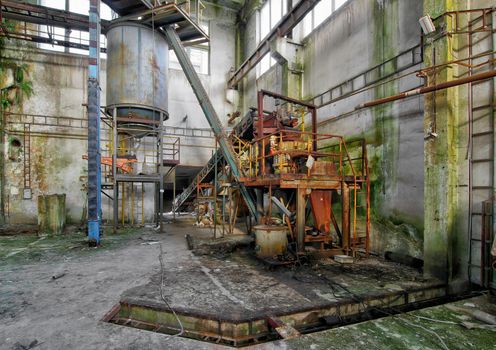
{"type": "Point", "coordinates": [181, 332]}
{"type": "Point", "coordinates": [362, 301]}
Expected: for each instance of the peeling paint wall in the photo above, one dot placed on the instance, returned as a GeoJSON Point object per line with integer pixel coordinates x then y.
{"type": "Point", "coordinates": [59, 82]}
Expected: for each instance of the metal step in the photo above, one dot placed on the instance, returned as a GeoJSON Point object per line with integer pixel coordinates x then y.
{"type": "Point", "coordinates": [241, 127]}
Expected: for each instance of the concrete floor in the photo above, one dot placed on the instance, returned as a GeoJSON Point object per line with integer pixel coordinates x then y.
{"type": "Point", "coordinates": [65, 313]}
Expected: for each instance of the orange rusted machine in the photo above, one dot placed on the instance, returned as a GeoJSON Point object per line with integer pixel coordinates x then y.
{"type": "Point", "coordinates": [318, 183]}
{"type": "Point", "coordinates": [121, 163]}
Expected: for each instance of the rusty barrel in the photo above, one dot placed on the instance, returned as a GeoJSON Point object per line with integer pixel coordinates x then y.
{"type": "Point", "coordinates": [270, 241]}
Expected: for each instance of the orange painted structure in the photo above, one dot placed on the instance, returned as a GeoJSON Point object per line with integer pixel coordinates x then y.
{"type": "Point", "coordinates": [309, 173]}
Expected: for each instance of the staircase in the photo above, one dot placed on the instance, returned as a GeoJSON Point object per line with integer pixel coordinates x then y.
{"type": "Point", "coordinates": [180, 201]}
{"type": "Point", "coordinates": [210, 114]}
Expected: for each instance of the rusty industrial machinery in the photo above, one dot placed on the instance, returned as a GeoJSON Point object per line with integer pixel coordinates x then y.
{"type": "Point", "coordinates": [314, 185]}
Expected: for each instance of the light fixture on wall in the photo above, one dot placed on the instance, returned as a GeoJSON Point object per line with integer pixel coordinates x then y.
{"type": "Point", "coordinates": [427, 25]}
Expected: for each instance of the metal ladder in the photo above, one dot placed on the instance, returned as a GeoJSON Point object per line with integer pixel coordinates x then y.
{"type": "Point", "coordinates": [481, 147]}
{"type": "Point", "coordinates": [360, 200]}
{"type": "Point", "coordinates": [27, 158]}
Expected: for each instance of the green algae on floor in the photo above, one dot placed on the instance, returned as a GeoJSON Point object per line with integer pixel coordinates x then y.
{"type": "Point", "coordinates": [414, 330]}
{"type": "Point", "coordinates": [27, 249]}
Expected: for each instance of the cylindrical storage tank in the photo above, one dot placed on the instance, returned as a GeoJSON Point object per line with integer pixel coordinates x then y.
{"type": "Point", "coordinates": [270, 241]}
{"type": "Point", "coordinates": [137, 68]}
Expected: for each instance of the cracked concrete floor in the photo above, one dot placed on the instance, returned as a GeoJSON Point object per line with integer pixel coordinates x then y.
{"type": "Point", "coordinates": [65, 313]}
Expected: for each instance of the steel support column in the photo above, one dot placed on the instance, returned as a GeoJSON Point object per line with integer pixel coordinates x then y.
{"type": "Point", "coordinates": [493, 226]}
{"type": "Point", "coordinates": [345, 218]}
{"type": "Point", "coordinates": [94, 167]}
{"type": "Point", "coordinates": [210, 113]}
{"type": "Point", "coordinates": [301, 204]}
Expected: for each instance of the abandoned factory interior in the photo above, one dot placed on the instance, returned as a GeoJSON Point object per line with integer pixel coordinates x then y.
{"type": "Point", "coordinates": [248, 174]}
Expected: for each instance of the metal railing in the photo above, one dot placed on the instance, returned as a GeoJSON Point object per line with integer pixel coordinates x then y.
{"type": "Point", "coordinates": [280, 151]}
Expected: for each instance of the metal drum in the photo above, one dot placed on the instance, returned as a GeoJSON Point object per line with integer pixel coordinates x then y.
{"type": "Point", "coordinates": [137, 68]}
{"type": "Point", "coordinates": [270, 241]}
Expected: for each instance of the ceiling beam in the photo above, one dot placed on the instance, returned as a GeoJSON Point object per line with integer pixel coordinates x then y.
{"type": "Point", "coordinates": [43, 15]}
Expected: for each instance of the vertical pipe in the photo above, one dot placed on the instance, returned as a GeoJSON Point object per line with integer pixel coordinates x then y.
{"type": "Point", "coordinates": [493, 226]}
{"type": "Point", "coordinates": [270, 205]}
{"type": "Point", "coordinates": [161, 204]}
{"type": "Point", "coordinates": [173, 195]}
{"type": "Point", "coordinates": [132, 203]}
{"type": "Point", "coordinates": [67, 32]}
{"type": "Point", "coordinates": [123, 213]}
{"type": "Point", "coordinates": [314, 129]}
{"type": "Point", "coordinates": [261, 153]}
{"type": "Point", "coordinates": [345, 204]}
{"type": "Point", "coordinates": [94, 166]}
{"type": "Point", "coordinates": [300, 218]}
{"type": "Point", "coordinates": [223, 211]}
{"type": "Point", "coordinates": [215, 191]}
{"type": "Point", "coordinates": [470, 113]}
{"type": "Point", "coordinates": [114, 169]}
{"type": "Point", "coordinates": [160, 173]}
{"type": "Point", "coordinates": [143, 203]}
{"type": "Point", "coordinates": [2, 160]}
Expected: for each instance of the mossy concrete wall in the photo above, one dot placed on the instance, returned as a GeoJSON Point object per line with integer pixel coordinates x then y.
{"type": "Point", "coordinates": [447, 157]}
{"type": "Point", "coordinates": [359, 36]}
{"type": "Point", "coordinates": [60, 89]}
{"type": "Point", "coordinates": [59, 83]}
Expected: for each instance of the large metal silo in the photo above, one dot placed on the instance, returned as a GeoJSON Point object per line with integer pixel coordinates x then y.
{"type": "Point", "coordinates": [137, 67]}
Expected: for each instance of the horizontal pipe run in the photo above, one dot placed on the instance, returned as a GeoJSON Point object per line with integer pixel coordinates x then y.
{"type": "Point", "coordinates": [428, 89]}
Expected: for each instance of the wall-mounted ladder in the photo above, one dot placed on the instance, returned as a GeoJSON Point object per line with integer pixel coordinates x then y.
{"type": "Point", "coordinates": [27, 161]}
{"type": "Point", "coordinates": [481, 150]}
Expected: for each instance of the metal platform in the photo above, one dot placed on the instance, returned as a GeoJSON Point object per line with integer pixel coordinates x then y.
{"type": "Point", "coordinates": [189, 31]}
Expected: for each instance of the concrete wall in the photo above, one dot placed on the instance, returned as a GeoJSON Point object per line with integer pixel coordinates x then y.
{"type": "Point", "coordinates": [59, 82]}
{"type": "Point", "coordinates": [361, 35]}
{"type": "Point", "coordinates": [182, 100]}
{"type": "Point", "coordinates": [454, 193]}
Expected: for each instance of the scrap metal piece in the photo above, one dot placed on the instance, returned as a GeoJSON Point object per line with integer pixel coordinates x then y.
{"type": "Point", "coordinates": [282, 207]}
{"type": "Point", "coordinates": [284, 330]}
{"type": "Point", "coordinates": [343, 259]}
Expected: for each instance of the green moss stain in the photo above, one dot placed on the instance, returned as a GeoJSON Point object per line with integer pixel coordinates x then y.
{"type": "Point", "coordinates": [16, 87]}
{"type": "Point", "coordinates": [442, 112]}
{"type": "Point", "coordinates": [386, 21]}
{"type": "Point", "coordinates": [30, 248]}
{"type": "Point", "coordinates": [51, 213]}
